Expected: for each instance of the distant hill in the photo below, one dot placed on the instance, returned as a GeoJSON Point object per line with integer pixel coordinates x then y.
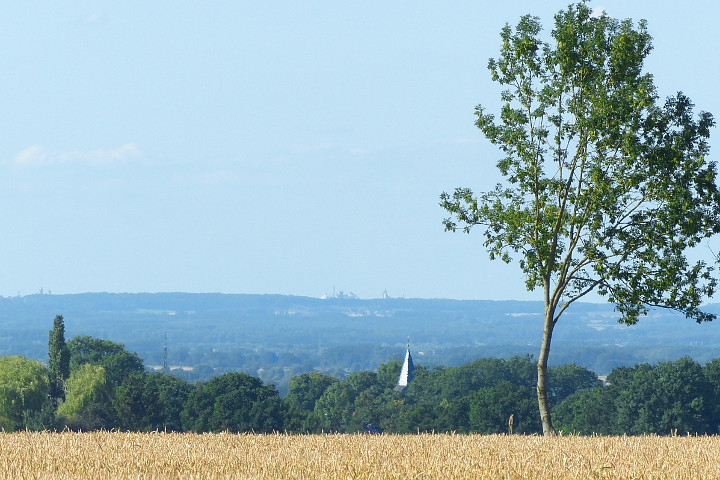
{"type": "Point", "coordinates": [277, 336]}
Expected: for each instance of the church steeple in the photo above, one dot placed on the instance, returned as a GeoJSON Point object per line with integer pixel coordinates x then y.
{"type": "Point", "coordinates": [406, 373]}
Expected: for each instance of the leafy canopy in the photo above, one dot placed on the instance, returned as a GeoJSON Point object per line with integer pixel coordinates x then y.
{"type": "Point", "coordinates": [24, 389]}
{"type": "Point", "coordinates": [118, 363]}
{"type": "Point", "coordinates": [86, 385]}
{"type": "Point", "coordinates": [605, 189]}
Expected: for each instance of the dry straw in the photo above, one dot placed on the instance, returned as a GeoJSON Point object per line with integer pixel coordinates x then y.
{"type": "Point", "coordinates": [159, 455]}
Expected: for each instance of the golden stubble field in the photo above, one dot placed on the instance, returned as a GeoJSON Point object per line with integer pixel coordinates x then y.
{"type": "Point", "coordinates": [169, 455]}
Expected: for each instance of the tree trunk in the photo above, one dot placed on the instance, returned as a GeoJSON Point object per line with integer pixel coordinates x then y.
{"type": "Point", "coordinates": [542, 392]}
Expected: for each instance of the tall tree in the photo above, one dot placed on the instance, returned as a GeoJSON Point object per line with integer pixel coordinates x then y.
{"type": "Point", "coordinates": [605, 189]}
{"type": "Point", "coordinates": [59, 363]}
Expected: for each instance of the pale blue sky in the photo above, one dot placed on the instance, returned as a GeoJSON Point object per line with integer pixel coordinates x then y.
{"type": "Point", "coordinates": [268, 146]}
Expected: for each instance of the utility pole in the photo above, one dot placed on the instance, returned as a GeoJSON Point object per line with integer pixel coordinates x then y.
{"type": "Point", "coordinates": [164, 353]}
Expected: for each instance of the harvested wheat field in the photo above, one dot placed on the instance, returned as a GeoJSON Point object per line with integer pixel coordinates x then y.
{"type": "Point", "coordinates": [160, 455]}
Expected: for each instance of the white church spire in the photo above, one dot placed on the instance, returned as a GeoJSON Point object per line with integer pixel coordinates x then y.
{"type": "Point", "coordinates": [406, 373]}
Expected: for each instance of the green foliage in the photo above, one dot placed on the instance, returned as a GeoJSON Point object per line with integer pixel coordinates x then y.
{"type": "Point", "coordinates": [361, 398]}
{"type": "Point", "coordinates": [440, 400]}
{"type": "Point", "coordinates": [569, 378]}
{"type": "Point", "coordinates": [481, 395]}
{"type": "Point", "coordinates": [678, 396]}
{"type": "Point", "coordinates": [389, 373]}
{"type": "Point", "coordinates": [226, 342]}
{"type": "Point", "coordinates": [491, 407]}
{"type": "Point", "coordinates": [711, 372]}
{"type": "Point", "coordinates": [41, 420]}
{"type": "Point", "coordinates": [88, 393]}
{"type": "Point", "coordinates": [117, 362]}
{"type": "Point", "coordinates": [462, 380]}
{"type": "Point", "coordinates": [305, 390]}
{"type": "Point", "coordinates": [120, 365]}
{"type": "Point", "coordinates": [24, 389]}
{"type": "Point", "coordinates": [335, 409]}
{"type": "Point", "coordinates": [487, 372]}
{"type": "Point", "coordinates": [86, 349]}
{"type": "Point", "coordinates": [589, 411]}
{"type": "Point", "coordinates": [59, 359]}
{"type": "Point", "coordinates": [666, 397]}
{"type": "Point", "coordinates": [605, 190]}
{"type": "Point", "coordinates": [97, 368]}
{"type": "Point", "coordinates": [151, 401]}
{"type": "Point", "coordinates": [236, 402]}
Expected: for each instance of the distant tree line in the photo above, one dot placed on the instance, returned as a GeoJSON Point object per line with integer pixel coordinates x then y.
{"type": "Point", "coordinates": [92, 384]}
{"type": "Point", "coordinates": [279, 337]}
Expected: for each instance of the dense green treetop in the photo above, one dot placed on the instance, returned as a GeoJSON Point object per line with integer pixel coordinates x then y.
{"type": "Point", "coordinates": [307, 388]}
{"type": "Point", "coordinates": [569, 378]}
{"type": "Point", "coordinates": [237, 402]}
{"type": "Point", "coordinates": [151, 401]}
{"type": "Point", "coordinates": [117, 362]}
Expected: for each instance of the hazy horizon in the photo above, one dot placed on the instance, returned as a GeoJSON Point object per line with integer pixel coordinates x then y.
{"type": "Point", "coordinates": [269, 146]}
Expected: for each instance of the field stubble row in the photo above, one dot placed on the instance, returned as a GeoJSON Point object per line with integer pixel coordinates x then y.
{"type": "Point", "coordinates": [426, 456]}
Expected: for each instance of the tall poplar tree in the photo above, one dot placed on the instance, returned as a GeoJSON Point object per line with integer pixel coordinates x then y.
{"type": "Point", "coordinates": [59, 363]}
{"type": "Point", "coordinates": [605, 189]}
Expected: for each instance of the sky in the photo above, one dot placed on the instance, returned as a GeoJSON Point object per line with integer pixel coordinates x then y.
{"type": "Point", "coordinates": [276, 147]}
